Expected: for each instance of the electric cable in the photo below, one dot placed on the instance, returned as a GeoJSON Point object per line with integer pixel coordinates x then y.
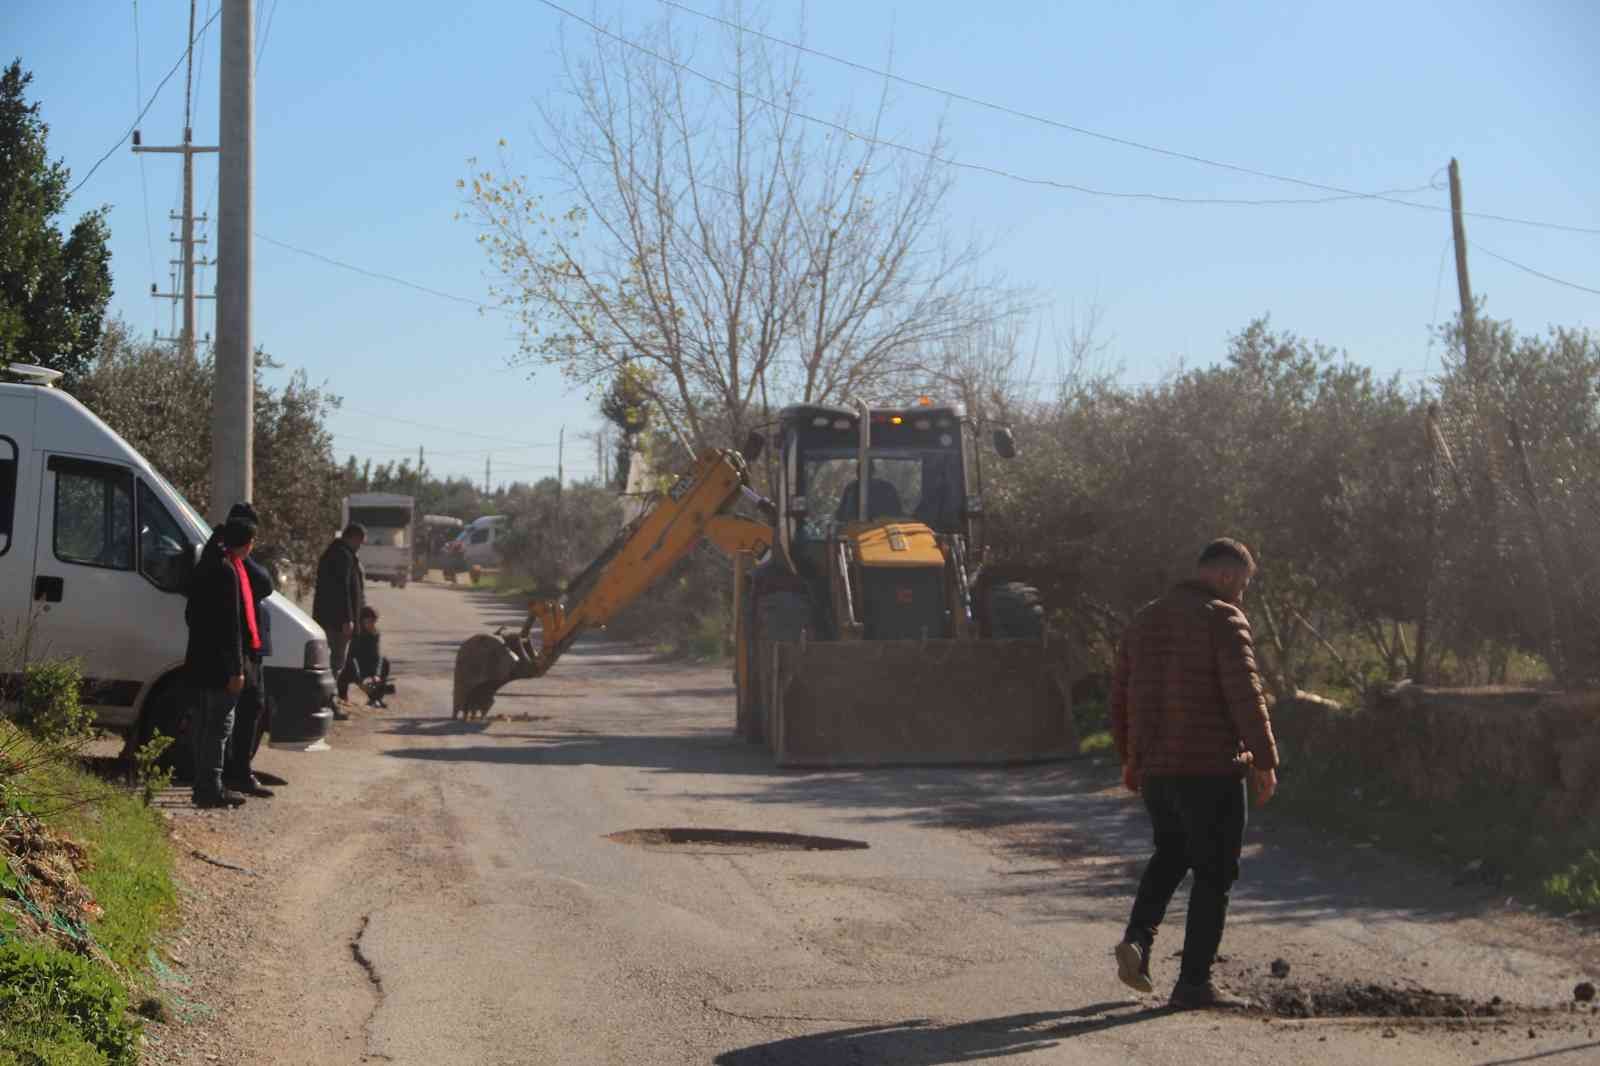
{"type": "Point", "coordinates": [1387, 196]}
{"type": "Point", "coordinates": [1528, 269]}
{"type": "Point", "coordinates": [146, 110]}
{"type": "Point", "coordinates": [481, 305]}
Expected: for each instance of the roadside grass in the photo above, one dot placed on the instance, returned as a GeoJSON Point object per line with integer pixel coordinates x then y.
{"type": "Point", "coordinates": [131, 864]}
{"type": "Point", "coordinates": [58, 1008]}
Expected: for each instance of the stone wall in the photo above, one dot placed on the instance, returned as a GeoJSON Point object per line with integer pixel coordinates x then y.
{"type": "Point", "coordinates": [1539, 752]}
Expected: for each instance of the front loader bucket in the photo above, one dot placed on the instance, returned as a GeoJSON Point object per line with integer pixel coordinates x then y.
{"type": "Point", "coordinates": [483, 664]}
{"type": "Point", "coordinates": [907, 702]}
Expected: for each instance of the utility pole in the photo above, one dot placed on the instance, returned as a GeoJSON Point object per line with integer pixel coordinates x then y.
{"type": "Point", "coordinates": [186, 239]}
{"type": "Point", "coordinates": [561, 452]}
{"type": "Point", "coordinates": [1458, 231]}
{"type": "Point", "coordinates": [486, 489]}
{"type": "Point", "coordinates": [233, 392]}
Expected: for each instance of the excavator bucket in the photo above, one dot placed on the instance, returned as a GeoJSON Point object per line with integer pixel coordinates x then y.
{"type": "Point", "coordinates": [483, 664]}
{"type": "Point", "coordinates": [909, 702]}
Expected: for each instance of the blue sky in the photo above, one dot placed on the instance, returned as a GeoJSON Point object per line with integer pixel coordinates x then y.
{"type": "Point", "coordinates": [366, 114]}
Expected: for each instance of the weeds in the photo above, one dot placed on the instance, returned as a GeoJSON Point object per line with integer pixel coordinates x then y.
{"type": "Point", "coordinates": [59, 1008]}
{"type": "Point", "coordinates": [1578, 885]}
{"type": "Point", "coordinates": [147, 771]}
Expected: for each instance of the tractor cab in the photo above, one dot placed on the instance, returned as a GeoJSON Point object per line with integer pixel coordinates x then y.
{"type": "Point", "coordinates": [878, 516]}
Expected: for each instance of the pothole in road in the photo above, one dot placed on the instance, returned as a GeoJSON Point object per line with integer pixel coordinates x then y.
{"type": "Point", "coordinates": [735, 838]}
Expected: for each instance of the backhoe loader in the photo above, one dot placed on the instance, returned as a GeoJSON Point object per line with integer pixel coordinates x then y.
{"type": "Point", "coordinates": [867, 630]}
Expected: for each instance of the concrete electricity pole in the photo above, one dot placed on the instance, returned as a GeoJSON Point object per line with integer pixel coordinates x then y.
{"type": "Point", "coordinates": [1458, 232]}
{"type": "Point", "coordinates": [233, 393]}
{"type": "Point", "coordinates": [186, 239]}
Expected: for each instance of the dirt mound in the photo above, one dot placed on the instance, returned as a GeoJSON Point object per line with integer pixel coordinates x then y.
{"type": "Point", "coordinates": [1331, 999]}
{"type": "Point", "coordinates": [40, 892]}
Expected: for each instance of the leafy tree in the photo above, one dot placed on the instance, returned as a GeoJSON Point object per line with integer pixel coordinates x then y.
{"type": "Point", "coordinates": [53, 290]}
{"type": "Point", "coordinates": [160, 402]}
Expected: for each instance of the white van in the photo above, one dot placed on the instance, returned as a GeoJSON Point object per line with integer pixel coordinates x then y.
{"type": "Point", "coordinates": [96, 549]}
{"type": "Point", "coordinates": [481, 540]}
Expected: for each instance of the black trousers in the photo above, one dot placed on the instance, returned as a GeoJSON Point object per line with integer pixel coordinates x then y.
{"type": "Point", "coordinates": [1199, 826]}
{"type": "Point", "coordinates": [250, 720]}
{"type": "Point", "coordinates": [352, 673]}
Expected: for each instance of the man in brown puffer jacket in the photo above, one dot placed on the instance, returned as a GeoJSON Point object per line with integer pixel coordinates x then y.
{"type": "Point", "coordinates": [1190, 721]}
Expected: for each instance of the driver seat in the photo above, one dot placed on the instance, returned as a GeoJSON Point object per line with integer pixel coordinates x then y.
{"type": "Point", "coordinates": [883, 501]}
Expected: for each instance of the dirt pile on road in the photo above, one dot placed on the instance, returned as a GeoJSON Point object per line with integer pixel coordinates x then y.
{"type": "Point", "coordinates": [1333, 999]}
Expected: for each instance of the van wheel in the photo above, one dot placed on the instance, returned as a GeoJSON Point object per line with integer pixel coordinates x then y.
{"type": "Point", "coordinates": [167, 713]}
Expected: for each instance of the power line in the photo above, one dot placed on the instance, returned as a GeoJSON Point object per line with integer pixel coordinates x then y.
{"type": "Point", "coordinates": [449, 429]}
{"type": "Point", "coordinates": [1387, 196]}
{"type": "Point", "coordinates": [1433, 323]}
{"type": "Point", "coordinates": [479, 304]}
{"type": "Point", "coordinates": [408, 448]}
{"type": "Point", "coordinates": [144, 180]}
{"type": "Point", "coordinates": [146, 110]}
{"type": "Point", "coordinates": [1341, 194]}
{"type": "Point", "coordinates": [261, 48]}
{"type": "Point", "coordinates": [1528, 269]}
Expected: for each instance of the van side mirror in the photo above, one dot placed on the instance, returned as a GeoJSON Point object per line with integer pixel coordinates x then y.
{"type": "Point", "coordinates": [754, 445]}
{"type": "Point", "coordinates": [1005, 444]}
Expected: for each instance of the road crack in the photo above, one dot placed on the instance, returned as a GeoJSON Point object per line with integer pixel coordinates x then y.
{"type": "Point", "coordinates": [373, 978]}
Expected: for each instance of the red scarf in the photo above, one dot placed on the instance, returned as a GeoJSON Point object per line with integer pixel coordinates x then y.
{"type": "Point", "coordinates": [249, 602]}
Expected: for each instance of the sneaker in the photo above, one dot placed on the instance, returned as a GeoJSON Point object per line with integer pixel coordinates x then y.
{"type": "Point", "coordinates": [225, 798]}
{"type": "Point", "coordinates": [1207, 996]}
{"type": "Point", "coordinates": [1133, 967]}
{"type": "Point", "coordinates": [270, 779]}
{"type": "Point", "coordinates": [251, 787]}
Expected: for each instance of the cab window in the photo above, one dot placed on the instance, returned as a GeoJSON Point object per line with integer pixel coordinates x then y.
{"type": "Point", "coordinates": [481, 536]}
{"type": "Point", "coordinates": [162, 545]}
{"type": "Point", "coordinates": [93, 514]}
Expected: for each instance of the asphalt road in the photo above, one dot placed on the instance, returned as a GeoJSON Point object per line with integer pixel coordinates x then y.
{"type": "Point", "coordinates": [438, 893]}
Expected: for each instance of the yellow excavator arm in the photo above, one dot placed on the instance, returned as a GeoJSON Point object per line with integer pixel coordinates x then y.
{"type": "Point", "coordinates": [698, 505]}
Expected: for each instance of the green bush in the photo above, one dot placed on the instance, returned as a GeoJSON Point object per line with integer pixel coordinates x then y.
{"type": "Point", "coordinates": [50, 707]}
{"type": "Point", "coordinates": [59, 1008]}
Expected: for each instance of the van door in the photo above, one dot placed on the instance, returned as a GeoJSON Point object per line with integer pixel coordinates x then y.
{"type": "Point", "coordinates": [108, 580]}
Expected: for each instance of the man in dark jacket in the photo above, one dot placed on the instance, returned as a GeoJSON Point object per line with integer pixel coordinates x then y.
{"type": "Point", "coordinates": [1190, 721]}
{"type": "Point", "coordinates": [340, 595]}
{"type": "Point", "coordinates": [223, 635]}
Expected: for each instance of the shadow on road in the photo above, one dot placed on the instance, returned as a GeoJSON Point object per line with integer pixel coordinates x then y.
{"type": "Point", "coordinates": [1562, 1053]}
{"type": "Point", "coordinates": [923, 1043]}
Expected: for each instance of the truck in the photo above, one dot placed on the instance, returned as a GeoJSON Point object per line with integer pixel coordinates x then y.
{"type": "Point", "coordinates": [870, 627]}
{"type": "Point", "coordinates": [388, 518]}
{"type": "Point", "coordinates": [96, 551]}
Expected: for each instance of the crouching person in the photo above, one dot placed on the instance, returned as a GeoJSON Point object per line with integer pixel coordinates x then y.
{"type": "Point", "coordinates": [366, 665]}
{"type": "Point", "coordinates": [223, 635]}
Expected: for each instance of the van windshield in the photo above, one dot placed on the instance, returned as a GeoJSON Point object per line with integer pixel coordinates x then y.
{"type": "Point", "coordinates": [186, 514]}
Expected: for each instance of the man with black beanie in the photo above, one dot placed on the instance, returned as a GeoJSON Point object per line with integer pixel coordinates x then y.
{"type": "Point", "coordinates": [223, 636]}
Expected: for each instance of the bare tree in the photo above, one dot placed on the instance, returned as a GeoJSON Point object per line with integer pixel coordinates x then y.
{"type": "Point", "coordinates": [731, 245]}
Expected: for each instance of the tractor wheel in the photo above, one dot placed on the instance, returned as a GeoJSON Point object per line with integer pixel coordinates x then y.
{"type": "Point", "coordinates": [1016, 612]}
